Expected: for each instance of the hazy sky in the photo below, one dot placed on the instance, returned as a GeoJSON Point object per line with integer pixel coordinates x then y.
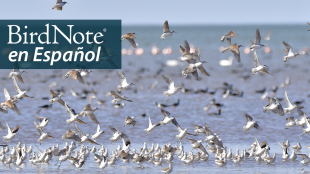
{"type": "Point", "coordinates": [157, 11]}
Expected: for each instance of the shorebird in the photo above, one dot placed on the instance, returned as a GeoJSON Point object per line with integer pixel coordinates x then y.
{"type": "Point", "coordinates": [221, 163]}
{"type": "Point", "coordinates": [307, 129]}
{"type": "Point", "coordinates": [116, 134]}
{"type": "Point", "coordinates": [106, 56]}
{"type": "Point", "coordinates": [71, 135]}
{"type": "Point", "coordinates": [76, 75]}
{"type": "Point", "coordinates": [56, 98]}
{"type": "Point", "coordinates": [151, 126]}
{"type": "Point", "coordinates": [124, 84]}
{"type": "Point", "coordinates": [305, 160]}
{"type": "Point", "coordinates": [43, 121]}
{"type": "Point", "coordinates": [118, 98]}
{"type": "Point", "coordinates": [257, 44]}
{"type": "Point", "coordinates": [293, 156]}
{"type": "Point", "coordinates": [194, 65]}
{"type": "Point", "coordinates": [197, 144]}
{"type": "Point", "coordinates": [274, 106]}
{"type": "Point", "coordinates": [289, 52]}
{"type": "Point", "coordinates": [167, 32]}
{"type": "Point", "coordinates": [284, 151]}
{"type": "Point", "coordinates": [166, 118]}
{"type": "Point", "coordinates": [10, 102]}
{"type": "Point", "coordinates": [270, 160]}
{"type": "Point", "coordinates": [130, 38]}
{"type": "Point", "coordinates": [237, 159]}
{"type": "Point", "coordinates": [20, 93]}
{"type": "Point", "coordinates": [290, 123]}
{"type": "Point", "coordinates": [182, 132]}
{"type": "Point", "coordinates": [286, 144]}
{"type": "Point", "coordinates": [249, 123]}
{"type": "Point", "coordinates": [268, 35]}
{"type": "Point", "coordinates": [73, 117]}
{"type": "Point", "coordinates": [90, 113]}
{"type": "Point", "coordinates": [59, 4]}
{"type": "Point", "coordinates": [234, 49]}
{"type": "Point", "coordinates": [258, 66]}
{"type": "Point", "coordinates": [43, 135]}
{"type": "Point", "coordinates": [11, 133]}
{"type": "Point", "coordinates": [297, 147]}
{"type": "Point", "coordinates": [97, 134]}
{"type": "Point", "coordinates": [171, 88]}
{"type": "Point", "coordinates": [84, 138]}
{"type": "Point", "coordinates": [186, 55]}
{"type": "Point", "coordinates": [17, 73]}
{"type": "Point", "coordinates": [130, 121]}
{"type": "Point", "coordinates": [228, 37]}
{"type": "Point", "coordinates": [289, 105]}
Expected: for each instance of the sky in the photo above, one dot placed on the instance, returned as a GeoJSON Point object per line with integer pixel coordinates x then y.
{"type": "Point", "coordinates": [154, 12]}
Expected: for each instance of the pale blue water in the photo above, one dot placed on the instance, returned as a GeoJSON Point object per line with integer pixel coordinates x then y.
{"type": "Point", "coordinates": [190, 112]}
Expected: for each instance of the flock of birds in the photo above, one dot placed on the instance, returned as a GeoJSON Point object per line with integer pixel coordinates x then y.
{"type": "Point", "coordinates": [79, 155]}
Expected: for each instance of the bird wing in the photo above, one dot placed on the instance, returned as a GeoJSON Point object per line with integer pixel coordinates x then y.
{"type": "Point", "coordinates": [203, 71]}
{"type": "Point", "coordinates": [203, 149]}
{"type": "Point", "coordinates": [61, 102]}
{"type": "Point", "coordinates": [191, 140]}
{"type": "Point", "coordinates": [281, 146]}
{"type": "Point", "coordinates": [98, 128]}
{"type": "Point", "coordinates": [87, 107]}
{"type": "Point", "coordinates": [287, 101]}
{"type": "Point", "coordinates": [122, 77]}
{"type": "Point", "coordinates": [265, 71]}
{"type": "Point", "coordinates": [269, 33]}
{"type": "Point", "coordinates": [235, 50]}
{"type": "Point", "coordinates": [6, 95]}
{"type": "Point", "coordinates": [150, 122]}
{"type": "Point", "coordinates": [124, 135]}
{"type": "Point", "coordinates": [79, 77]}
{"type": "Point", "coordinates": [182, 49]}
{"type": "Point", "coordinates": [93, 118]}
{"type": "Point", "coordinates": [91, 141]}
{"type": "Point", "coordinates": [15, 129]}
{"type": "Point", "coordinates": [166, 27]}
{"type": "Point", "coordinates": [9, 129]}
{"type": "Point", "coordinates": [169, 81]}
{"type": "Point", "coordinates": [304, 156]}
{"type": "Point", "coordinates": [79, 131]}
{"type": "Point", "coordinates": [20, 79]}
{"type": "Point", "coordinates": [53, 94]}
{"type": "Point", "coordinates": [1, 126]}
{"type": "Point", "coordinates": [113, 129]}
{"type": "Point", "coordinates": [255, 59]}
{"type": "Point", "coordinates": [287, 46]}
{"type": "Point", "coordinates": [187, 48]}
{"type": "Point", "coordinates": [69, 112]}
{"type": "Point", "coordinates": [197, 54]}
{"type": "Point", "coordinates": [114, 95]}
{"type": "Point", "coordinates": [248, 117]}
{"type": "Point", "coordinates": [195, 74]}
{"type": "Point", "coordinates": [164, 112]}
{"type": "Point", "coordinates": [229, 41]}
{"type": "Point", "coordinates": [38, 129]}
{"type": "Point", "coordinates": [15, 109]}
{"type": "Point", "coordinates": [17, 89]}
{"type": "Point", "coordinates": [300, 112]}
{"type": "Point", "coordinates": [174, 121]}
{"type": "Point", "coordinates": [39, 118]}
{"type": "Point", "coordinates": [271, 100]}
{"type": "Point", "coordinates": [257, 37]}
{"type": "Point", "coordinates": [290, 118]}
{"type": "Point", "coordinates": [132, 42]}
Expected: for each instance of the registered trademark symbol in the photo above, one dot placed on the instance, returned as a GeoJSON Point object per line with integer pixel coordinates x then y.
{"type": "Point", "coordinates": [104, 30]}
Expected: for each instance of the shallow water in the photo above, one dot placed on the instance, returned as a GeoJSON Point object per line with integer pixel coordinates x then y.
{"type": "Point", "coordinates": [190, 111]}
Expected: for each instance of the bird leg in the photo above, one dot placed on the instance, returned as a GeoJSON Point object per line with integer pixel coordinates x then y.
{"type": "Point", "coordinates": [59, 164]}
